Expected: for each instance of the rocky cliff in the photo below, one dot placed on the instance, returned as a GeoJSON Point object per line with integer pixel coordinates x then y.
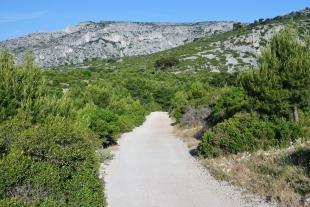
{"type": "Point", "coordinates": [90, 40]}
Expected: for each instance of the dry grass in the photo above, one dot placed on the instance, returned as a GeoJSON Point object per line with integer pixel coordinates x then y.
{"type": "Point", "coordinates": [278, 175]}
{"type": "Point", "coordinates": [281, 175]}
{"type": "Point", "coordinates": [188, 135]}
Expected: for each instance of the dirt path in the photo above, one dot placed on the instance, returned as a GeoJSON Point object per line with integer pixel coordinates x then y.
{"type": "Point", "coordinates": [153, 168]}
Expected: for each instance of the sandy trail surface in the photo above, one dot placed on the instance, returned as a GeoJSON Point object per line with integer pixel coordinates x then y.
{"type": "Point", "coordinates": [153, 168]}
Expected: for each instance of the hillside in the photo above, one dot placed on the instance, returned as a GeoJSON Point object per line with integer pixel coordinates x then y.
{"type": "Point", "coordinates": [250, 128]}
{"type": "Point", "coordinates": [91, 40]}
{"type": "Point", "coordinates": [229, 51]}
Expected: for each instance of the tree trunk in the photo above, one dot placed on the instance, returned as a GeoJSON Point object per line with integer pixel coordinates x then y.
{"type": "Point", "coordinates": [295, 113]}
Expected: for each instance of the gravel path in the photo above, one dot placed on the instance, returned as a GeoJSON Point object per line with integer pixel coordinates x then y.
{"type": "Point", "coordinates": [153, 168]}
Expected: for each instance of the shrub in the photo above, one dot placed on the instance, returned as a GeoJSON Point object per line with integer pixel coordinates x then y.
{"type": "Point", "coordinates": [51, 165]}
{"type": "Point", "coordinates": [99, 93]}
{"type": "Point", "coordinates": [178, 105]}
{"type": "Point", "coordinates": [223, 79]}
{"type": "Point", "coordinates": [287, 131]}
{"type": "Point", "coordinates": [130, 112]}
{"type": "Point", "coordinates": [237, 26]}
{"type": "Point", "coordinates": [229, 103]}
{"type": "Point", "coordinates": [18, 84]}
{"type": "Point", "coordinates": [58, 141]}
{"type": "Point", "coordinates": [245, 132]}
{"type": "Point", "coordinates": [197, 90]}
{"type": "Point", "coordinates": [10, 133]}
{"type": "Point", "coordinates": [165, 63]}
{"type": "Point", "coordinates": [47, 106]}
{"type": "Point", "coordinates": [101, 121]}
{"type": "Point", "coordinates": [139, 88]}
{"type": "Point", "coordinates": [163, 95]}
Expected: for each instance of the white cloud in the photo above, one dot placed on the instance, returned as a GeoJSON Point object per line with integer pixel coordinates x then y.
{"type": "Point", "coordinates": [16, 17]}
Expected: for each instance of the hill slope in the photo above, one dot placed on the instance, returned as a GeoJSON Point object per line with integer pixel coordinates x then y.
{"type": "Point", "coordinates": [230, 51]}
{"type": "Point", "coordinates": [90, 40]}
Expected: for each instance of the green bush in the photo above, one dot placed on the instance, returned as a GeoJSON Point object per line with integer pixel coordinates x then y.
{"type": "Point", "coordinates": [163, 95]}
{"type": "Point", "coordinates": [58, 141]}
{"type": "Point", "coordinates": [18, 84]}
{"type": "Point", "coordinates": [140, 89]}
{"type": "Point", "coordinates": [130, 112]}
{"type": "Point", "coordinates": [166, 63]}
{"type": "Point", "coordinates": [238, 26]}
{"type": "Point", "coordinates": [246, 132]}
{"type": "Point", "coordinates": [197, 90]}
{"type": "Point", "coordinates": [101, 121]}
{"type": "Point", "coordinates": [10, 133]}
{"type": "Point", "coordinates": [40, 109]}
{"type": "Point", "coordinates": [178, 105]}
{"type": "Point", "coordinates": [51, 165]}
{"type": "Point", "coordinates": [287, 131]}
{"type": "Point", "coordinates": [229, 103]}
{"type": "Point", "coordinates": [99, 93]}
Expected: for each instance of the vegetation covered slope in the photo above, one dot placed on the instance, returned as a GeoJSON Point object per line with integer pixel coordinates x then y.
{"type": "Point", "coordinates": [227, 52]}
{"type": "Point", "coordinates": [54, 122]}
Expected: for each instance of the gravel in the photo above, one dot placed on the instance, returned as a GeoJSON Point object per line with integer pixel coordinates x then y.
{"type": "Point", "coordinates": [153, 168]}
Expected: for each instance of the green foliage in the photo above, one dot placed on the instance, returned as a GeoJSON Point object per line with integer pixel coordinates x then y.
{"type": "Point", "coordinates": [130, 112]}
{"type": "Point", "coordinates": [43, 166]}
{"type": "Point", "coordinates": [50, 130]}
{"type": "Point", "coordinates": [163, 95]}
{"type": "Point", "coordinates": [99, 93]}
{"type": "Point", "coordinates": [166, 63]}
{"type": "Point", "coordinates": [10, 133]}
{"type": "Point", "coordinates": [197, 90]}
{"type": "Point", "coordinates": [38, 110]}
{"type": "Point", "coordinates": [282, 80]}
{"type": "Point", "coordinates": [44, 153]}
{"type": "Point", "coordinates": [100, 121]}
{"type": "Point", "coordinates": [230, 102]}
{"type": "Point", "coordinates": [246, 132]}
{"type": "Point", "coordinates": [287, 131]}
{"type": "Point", "coordinates": [178, 105]}
{"type": "Point", "coordinates": [238, 26]}
{"type": "Point", "coordinates": [223, 79]}
{"type": "Point", "coordinates": [58, 142]}
{"type": "Point", "coordinates": [140, 89]}
{"type": "Point", "coordinates": [18, 84]}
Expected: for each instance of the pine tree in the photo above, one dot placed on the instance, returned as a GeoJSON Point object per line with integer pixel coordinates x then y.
{"type": "Point", "coordinates": [281, 84]}
{"type": "Point", "coordinates": [8, 85]}
{"type": "Point", "coordinates": [20, 85]}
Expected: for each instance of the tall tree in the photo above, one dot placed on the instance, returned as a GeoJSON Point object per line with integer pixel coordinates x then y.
{"type": "Point", "coordinates": [281, 84]}
{"type": "Point", "coordinates": [8, 85]}
{"type": "Point", "coordinates": [20, 85]}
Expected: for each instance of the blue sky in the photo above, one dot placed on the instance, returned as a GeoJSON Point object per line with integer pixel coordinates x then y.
{"type": "Point", "coordinates": [20, 17]}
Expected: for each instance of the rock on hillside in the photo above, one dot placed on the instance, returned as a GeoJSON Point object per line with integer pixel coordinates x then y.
{"type": "Point", "coordinates": [239, 50]}
{"type": "Point", "coordinates": [90, 40]}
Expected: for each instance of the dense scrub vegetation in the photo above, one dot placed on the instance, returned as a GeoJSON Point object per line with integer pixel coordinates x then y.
{"type": "Point", "coordinates": [49, 135]}
{"type": "Point", "coordinates": [52, 122]}
{"type": "Point", "coordinates": [47, 157]}
{"type": "Point", "coordinates": [245, 111]}
{"type": "Point", "coordinates": [246, 132]}
{"type": "Point", "coordinates": [274, 94]}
